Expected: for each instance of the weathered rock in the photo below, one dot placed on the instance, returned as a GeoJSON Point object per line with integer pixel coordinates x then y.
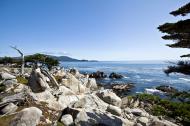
{"type": "Point", "coordinates": [6, 76]}
{"type": "Point", "coordinates": [27, 117]}
{"type": "Point", "coordinates": [99, 118]}
{"type": "Point", "coordinates": [37, 81]}
{"type": "Point", "coordinates": [74, 84]}
{"type": "Point", "coordinates": [136, 111]}
{"type": "Point", "coordinates": [167, 89]}
{"type": "Point", "coordinates": [157, 122]}
{"type": "Point", "coordinates": [20, 88]}
{"type": "Point", "coordinates": [60, 73]}
{"type": "Point", "coordinates": [114, 110]}
{"type": "Point", "coordinates": [89, 102]}
{"type": "Point", "coordinates": [115, 76]}
{"type": "Point", "coordinates": [98, 75]}
{"type": "Point", "coordinates": [121, 89]}
{"type": "Point", "coordinates": [91, 84]}
{"type": "Point", "coordinates": [73, 71]}
{"type": "Point", "coordinates": [67, 120]}
{"type": "Point", "coordinates": [9, 84]}
{"type": "Point", "coordinates": [143, 120]}
{"type": "Point", "coordinates": [109, 97]}
{"type": "Point", "coordinates": [63, 91]}
{"type": "Point", "coordinates": [48, 98]}
{"type": "Point", "coordinates": [10, 108]}
{"type": "Point", "coordinates": [69, 99]}
{"type": "Point", "coordinates": [16, 98]}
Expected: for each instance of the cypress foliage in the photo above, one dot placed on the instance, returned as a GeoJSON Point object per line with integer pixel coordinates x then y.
{"type": "Point", "coordinates": [179, 32]}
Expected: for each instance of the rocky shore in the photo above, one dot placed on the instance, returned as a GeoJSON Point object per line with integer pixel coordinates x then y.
{"type": "Point", "coordinates": [68, 98]}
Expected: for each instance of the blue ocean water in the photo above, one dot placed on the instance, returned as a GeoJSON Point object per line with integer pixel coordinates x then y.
{"type": "Point", "coordinates": [142, 74]}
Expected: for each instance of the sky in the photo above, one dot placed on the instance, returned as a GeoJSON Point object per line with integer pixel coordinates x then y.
{"type": "Point", "coordinates": [107, 30]}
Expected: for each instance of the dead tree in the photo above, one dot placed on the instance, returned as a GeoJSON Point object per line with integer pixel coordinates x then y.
{"type": "Point", "coordinates": [22, 57]}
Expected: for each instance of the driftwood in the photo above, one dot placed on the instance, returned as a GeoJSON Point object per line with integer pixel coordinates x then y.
{"type": "Point", "coordinates": [52, 79]}
{"type": "Point", "coordinates": [22, 57]}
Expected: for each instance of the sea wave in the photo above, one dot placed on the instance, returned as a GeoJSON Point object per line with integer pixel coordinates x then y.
{"type": "Point", "coordinates": [185, 79]}
{"type": "Point", "coordinates": [153, 91]}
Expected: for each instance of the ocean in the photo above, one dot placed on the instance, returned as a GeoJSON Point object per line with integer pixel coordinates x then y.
{"type": "Point", "coordinates": [144, 75]}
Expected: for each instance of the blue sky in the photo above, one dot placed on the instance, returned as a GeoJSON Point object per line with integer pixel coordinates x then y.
{"type": "Point", "coordinates": [88, 29]}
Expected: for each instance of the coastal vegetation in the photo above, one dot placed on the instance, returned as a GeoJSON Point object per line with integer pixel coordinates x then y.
{"type": "Point", "coordinates": [179, 32]}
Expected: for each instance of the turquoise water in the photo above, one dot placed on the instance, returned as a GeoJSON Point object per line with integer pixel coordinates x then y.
{"type": "Point", "coordinates": [142, 74]}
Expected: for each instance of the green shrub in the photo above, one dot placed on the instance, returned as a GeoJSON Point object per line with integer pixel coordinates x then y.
{"type": "Point", "coordinates": [22, 80]}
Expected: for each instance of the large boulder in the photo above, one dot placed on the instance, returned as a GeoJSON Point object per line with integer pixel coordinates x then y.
{"type": "Point", "coordinates": [91, 84]}
{"type": "Point", "coordinates": [74, 84]}
{"type": "Point", "coordinates": [69, 100]}
{"type": "Point", "coordinates": [98, 118]}
{"type": "Point", "coordinates": [143, 120]}
{"type": "Point", "coordinates": [157, 122]}
{"type": "Point", "coordinates": [115, 76]}
{"type": "Point", "coordinates": [48, 98]}
{"type": "Point", "coordinates": [109, 97]}
{"type": "Point", "coordinates": [6, 76]}
{"type": "Point", "coordinates": [167, 89]}
{"type": "Point", "coordinates": [98, 75]}
{"type": "Point", "coordinates": [27, 117]}
{"type": "Point", "coordinates": [89, 102]}
{"type": "Point", "coordinates": [114, 110]}
{"type": "Point", "coordinates": [67, 120]}
{"type": "Point", "coordinates": [10, 108]}
{"type": "Point", "coordinates": [37, 81]}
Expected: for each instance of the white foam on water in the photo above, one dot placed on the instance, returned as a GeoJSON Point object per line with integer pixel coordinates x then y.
{"type": "Point", "coordinates": [153, 91]}
{"type": "Point", "coordinates": [185, 79]}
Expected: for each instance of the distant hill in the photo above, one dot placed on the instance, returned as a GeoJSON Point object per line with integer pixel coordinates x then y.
{"type": "Point", "coordinates": [64, 59]}
{"type": "Point", "coordinates": [69, 59]}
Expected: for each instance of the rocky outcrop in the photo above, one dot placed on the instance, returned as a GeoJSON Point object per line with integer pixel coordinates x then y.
{"type": "Point", "coordinates": [37, 81]}
{"type": "Point", "coordinates": [6, 76]}
{"type": "Point", "coordinates": [167, 89]}
{"type": "Point", "coordinates": [98, 75]}
{"type": "Point", "coordinates": [67, 120]}
{"type": "Point", "coordinates": [115, 76]}
{"type": "Point", "coordinates": [10, 108]}
{"type": "Point", "coordinates": [74, 84]}
{"type": "Point", "coordinates": [27, 117]}
{"type": "Point", "coordinates": [109, 97]}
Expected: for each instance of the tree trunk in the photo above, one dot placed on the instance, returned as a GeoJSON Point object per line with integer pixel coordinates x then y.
{"type": "Point", "coordinates": [22, 57]}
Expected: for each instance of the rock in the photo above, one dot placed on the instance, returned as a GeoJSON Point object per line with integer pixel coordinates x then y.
{"type": "Point", "coordinates": [73, 71]}
{"type": "Point", "coordinates": [74, 84]}
{"type": "Point", "coordinates": [115, 76]}
{"type": "Point", "coordinates": [136, 111]}
{"type": "Point", "coordinates": [121, 89]}
{"type": "Point", "coordinates": [9, 84]}
{"type": "Point", "coordinates": [89, 102]}
{"type": "Point", "coordinates": [27, 117]}
{"type": "Point", "coordinates": [67, 120]}
{"type": "Point", "coordinates": [109, 97]}
{"type": "Point", "coordinates": [167, 89]}
{"type": "Point", "coordinates": [114, 110]}
{"type": "Point", "coordinates": [42, 96]}
{"type": "Point", "coordinates": [157, 122]}
{"type": "Point", "coordinates": [6, 76]}
{"type": "Point", "coordinates": [98, 118]}
{"type": "Point", "coordinates": [60, 73]}
{"type": "Point", "coordinates": [63, 91]}
{"type": "Point", "coordinates": [143, 120]}
{"type": "Point", "coordinates": [37, 81]}
{"type": "Point", "coordinates": [10, 108]}
{"type": "Point", "coordinates": [91, 84]}
{"type": "Point", "coordinates": [20, 88]}
{"type": "Point", "coordinates": [16, 98]}
{"type": "Point", "coordinates": [69, 99]}
{"type": "Point", "coordinates": [98, 75]}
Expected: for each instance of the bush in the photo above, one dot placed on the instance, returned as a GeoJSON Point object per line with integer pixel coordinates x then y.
{"type": "Point", "coordinates": [165, 107]}
{"type": "Point", "coordinates": [22, 80]}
